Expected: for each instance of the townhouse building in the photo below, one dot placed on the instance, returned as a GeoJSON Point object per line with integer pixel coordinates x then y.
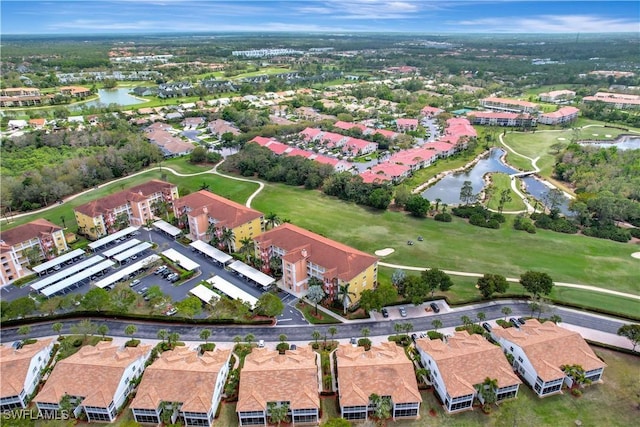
{"type": "Point", "coordinates": [96, 380]}
{"type": "Point", "coordinates": [134, 206]}
{"type": "Point", "coordinates": [616, 100]}
{"type": "Point", "coordinates": [557, 96]}
{"type": "Point", "coordinates": [208, 216]}
{"type": "Point", "coordinates": [21, 372]}
{"type": "Point", "coordinates": [460, 364]}
{"type": "Point", "coordinates": [512, 105]}
{"type": "Point", "coordinates": [383, 370]}
{"type": "Point", "coordinates": [540, 350]}
{"type": "Point", "coordinates": [404, 125]}
{"type": "Point", "coordinates": [562, 115]}
{"type": "Point", "coordinates": [28, 243]}
{"type": "Point", "coordinates": [75, 91]}
{"type": "Point", "coordinates": [305, 254]}
{"type": "Point", "coordinates": [269, 378]}
{"type": "Point", "coordinates": [182, 386]}
{"type": "Point", "coordinates": [386, 172]}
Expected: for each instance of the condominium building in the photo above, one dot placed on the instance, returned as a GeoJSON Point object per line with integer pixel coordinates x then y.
{"type": "Point", "coordinates": [209, 216]}
{"type": "Point", "coordinates": [512, 105]}
{"type": "Point", "coordinates": [494, 118]}
{"type": "Point", "coordinates": [134, 206]}
{"type": "Point", "coordinates": [557, 96]}
{"type": "Point", "coordinates": [96, 380]}
{"type": "Point", "coordinates": [269, 378]}
{"type": "Point", "coordinates": [563, 115]}
{"type": "Point", "coordinates": [617, 100]}
{"type": "Point", "coordinates": [21, 372]}
{"type": "Point", "coordinates": [460, 364]}
{"type": "Point", "coordinates": [305, 254]}
{"type": "Point", "coordinates": [383, 370]}
{"type": "Point", "coordinates": [29, 243]}
{"type": "Point", "coordinates": [182, 386]}
{"type": "Point", "coordinates": [541, 350]}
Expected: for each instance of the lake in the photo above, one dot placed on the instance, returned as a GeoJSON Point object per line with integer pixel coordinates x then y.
{"type": "Point", "coordinates": [119, 96]}
{"type": "Point", "coordinates": [626, 142]}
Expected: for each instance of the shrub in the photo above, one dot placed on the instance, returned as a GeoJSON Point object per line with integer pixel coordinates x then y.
{"type": "Point", "coordinates": [208, 346]}
{"type": "Point", "coordinates": [504, 323]}
{"type": "Point", "coordinates": [635, 232]}
{"type": "Point", "coordinates": [77, 342]}
{"type": "Point", "coordinates": [132, 343]}
{"type": "Point", "coordinates": [282, 347]}
{"type": "Point", "coordinates": [610, 232]}
{"type": "Point", "coordinates": [523, 223]}
{"type": "Point", "coordinates": [443, 217]}
{"type": "Point", "coordinates": [364, 342]}
{"type": "Point", "coordinates": [576, 392]}
{"type": "Point", "coordinates": [498, 217]}
{"type": "Point", "coordinates": [434, 335]}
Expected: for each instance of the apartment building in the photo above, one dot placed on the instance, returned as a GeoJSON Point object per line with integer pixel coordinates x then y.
{"type": "Point", "coordinates": [383, 370]}
{"type": "Point", "coordinates": [460, 364]}
{"type": "Point", "coordinates": [562, 115]}
{"type": "Point", "coordinates": [557, 96]}
{"type": "Point", "coordinates": [492, 118]}
{"type": "Point", "coordinates": [134, 206]}
{"type": "Point", "coordinates": [512, 105]}
{"type": "Point", "coordinates": [616, 100]}
{"type": "Point", "coordinates": [540, 350]}
{"type": "Point", "coordinates": [182, 386]}
{"type": "Point", "coordinates": [208, 215]}
{"type": "Point", "coordinates": [21, 372]}
{"type": "Point", "coordinates": [26, 243]}
{"type": "Point", "coordinates": [305, 254]}
{"type": "Point", "coordinates": [269, 378]}
{"type": "Point", "coordinates": [96, 380]}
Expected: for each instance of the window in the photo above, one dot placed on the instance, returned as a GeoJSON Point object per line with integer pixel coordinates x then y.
{"type": "Point", "coordinates": [520, 359]}
{"type": "Point", "coordinates": [460, 405]}
{"type": "Point", "coordinates": [95, 416]}
{"type": "Point", "coordinates": [147, 419]}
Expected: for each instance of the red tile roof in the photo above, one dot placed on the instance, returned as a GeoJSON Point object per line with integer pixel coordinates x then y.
{"type": "Point", "coordinates": [310, 133]}
{"type": "Point", "coordinates": [369, 177]}
{"type": "Point", "coordinates": [28, 231]}
{"type": "Point", "coordinates": [299, 152]}
{"type": "Point", "coordinates": [407, 122]}
{"type": "Point", "coordinates": [325, 252]}
{"type": "Point", "coordinates": [510, 102]}
{"type": "Point", "coordinates": [562, 112]}
{"type": "Point", "coordinates": [227, 212]}
{"type": "Point", "coordinates": [412, 156]}
{"type": "Point", "coordinates": [137, 193]}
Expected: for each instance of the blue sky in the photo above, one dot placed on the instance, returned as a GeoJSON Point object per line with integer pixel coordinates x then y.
{"type": "Point", "coordinates": [425, 16]}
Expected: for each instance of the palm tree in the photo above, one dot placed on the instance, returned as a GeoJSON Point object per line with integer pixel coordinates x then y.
{"type": "Point", "coordinates": [332, 331]}
{"type": "Point", "coordinates": [481, 316]}
{"type": "Point", "coordinates": [506, 311]}
{"type": "Point", "coordinates": [163, 334]}
{"type": "Point", "coordinates": [487, 391]}
{"type": "Point", "coordinates": [271, 220]}
{"type": "Point", "coordinates": [24, 330]}
{"type": "Point", "coordinates": [555, 318]}
{"type": "Point", "coordinates": [228, 238]}
{"type": "Point", "coordinates": [173, 338]}
{"type": "Point", "coordinates": [103, 330]}
{"type": "Point", "coordinates": [436, 323]}
{"type": "Point", "coordinates": [282, 338]}
{"type": "Point", "coordinates": [466, 320]}
{"type": "Point", "coordinates": [407, 327]}
{"type": "Point", "coordinates": [130, 330]}
{"type": "Point", "coordinates": [237, 339]}
{"type": "Point", "coordinates": [344, 296]}
{"type": "Point", "coordinates": [316, 335]}
{"type": "Point", "coordinates": [398, 327]}
{"type": "Point", "coordinates": [249, 338]}
{"type": "Point", "coordinates": [278, 412]}
{"type": "Point", "coordinates": [57, 327]}
{"type": "Point", "coordinates": [160, 207]}
{"type": "Point", "coordinates": [365, 332]}
{"type": "Point", "coordinates": [211, 230]}
{"type": "Point", "coordinates": [204, 335]}
{"type": "Point", "coordinates": [315, 293]}
{"type": "Point", "coordinates": [438, 201]}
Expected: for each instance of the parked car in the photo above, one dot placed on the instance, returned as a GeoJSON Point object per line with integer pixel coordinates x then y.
{"type": "Point", "coordinates": [171, 276]}
{"type": "Point", "coordinates": [521, 320]}
{"type": "Point", "coordinates": [486, 326]}
{"type": "Point", "coordinates": [293, 347]}
{"type": "Point", "coordinates": [385, 313]}
{"type": "Point", "coordinates": [135, 282]}
{"type": "Point", "coordinates": [142, 291]}
{"type": "Point", "coordinates": [166, 273]}
{"type": "Point", "coordinates": [171, 311]}
{"type": "Point", "coordinates": [403, 312]}
{"type": "Point", "coordinates": [175, 278]}
{"type": "Point", "coordinates": [354, 341]}
{"type": "Point", "coordinates": [514, 322]}
{"type": "Point", "coordinates": [160, 269]}
{"type": "Point", "coordinates": [434, 307]}
{"type": "Point", "coordinates": [414, 337]}
{"type": "Point", "coordinates": [420, 238]}
{"type": "Point", "coordinates": [261, 344]}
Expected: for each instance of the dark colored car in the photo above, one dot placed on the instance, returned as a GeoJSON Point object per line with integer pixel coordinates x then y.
{"type": "Point", "coordinates": [385, 313]}
{"type": "Point", "coordinates": [521, 320]}
{"type": "Point", "coordinates": [486, 326]}
{"type": "Point", "coordinates": [514, 322]}
{"type": "Point", "coordinates": [434, 307]}
{"type": "Point", "coordinates": [414, 337]}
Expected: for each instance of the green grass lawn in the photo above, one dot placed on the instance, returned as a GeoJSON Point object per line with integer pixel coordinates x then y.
{"type": "Point", "coordinates": [237, 191]}
{"type": "Point", "coordinates": [499, 183]}
{"type": "Point", "coordinates": [457, 245]}
{"type": "Point", "coordinates": [183, 165]}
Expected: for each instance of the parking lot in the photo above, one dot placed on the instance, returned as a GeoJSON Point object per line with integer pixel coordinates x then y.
{"type": "Point", "coordinates": [177, 291]}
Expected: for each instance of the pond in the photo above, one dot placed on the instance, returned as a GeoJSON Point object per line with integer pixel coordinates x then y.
{"type": "Point", "coordinates": [624, 142]}
{"type": "Point", "coordinates": [448, 188]}
{"type": "Point", "coordinates": [119, 96]}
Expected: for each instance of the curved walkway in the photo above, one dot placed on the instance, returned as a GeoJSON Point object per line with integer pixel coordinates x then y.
{"type": "Point", "coordinates": [515, 280]}
{"type": "Point", "coordinates": [213, 170]}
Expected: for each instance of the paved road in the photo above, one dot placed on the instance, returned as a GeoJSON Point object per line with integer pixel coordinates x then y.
{"type": "Point", "coordinates": [450, 318]}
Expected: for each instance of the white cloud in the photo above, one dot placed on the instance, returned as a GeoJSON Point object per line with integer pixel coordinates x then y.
{"type": "Point", "coordinates": [550, 24]}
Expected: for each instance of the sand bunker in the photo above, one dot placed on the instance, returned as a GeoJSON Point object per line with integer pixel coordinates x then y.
{"type": "Point", "coordinates": [562, 139]}
{"type": "Point", "coordinates": [594, 134]}
{"type": "Point", "coordinates": [608, 136]}
{"type": "Point", "coordinates": [384, 252]}
{"type": "Point", "coordinates": [636, 255]}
